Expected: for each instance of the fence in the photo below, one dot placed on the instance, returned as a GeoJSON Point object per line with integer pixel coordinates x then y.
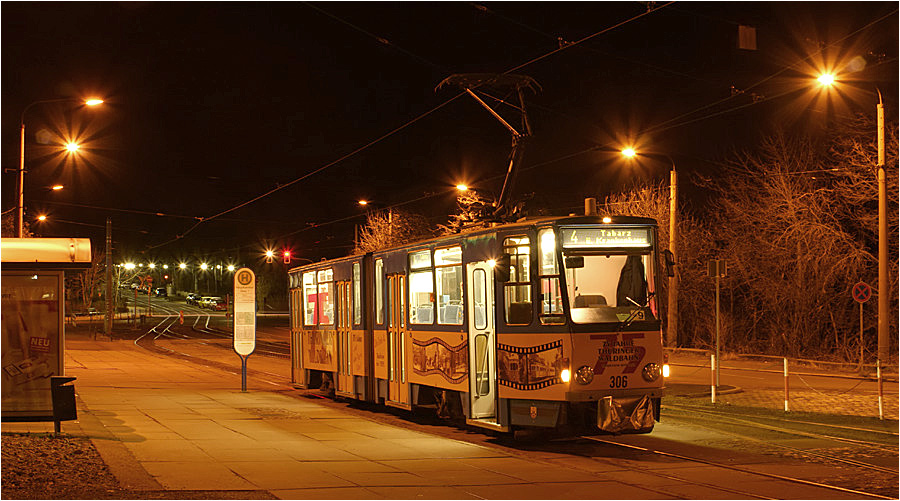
{"type": "Point", "coordinates": [789, 384]}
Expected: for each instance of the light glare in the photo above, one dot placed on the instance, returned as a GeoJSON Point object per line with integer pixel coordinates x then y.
{"type": "Point", "coordinates": [629, 152]}
{"type": "Point", "coordinates": [826, 79]}
{"type": "Point", "coordinates": [72, 147]}
{"type": "Point", "coordinates": [93, 102]}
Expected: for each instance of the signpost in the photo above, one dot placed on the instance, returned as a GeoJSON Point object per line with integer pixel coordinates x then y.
{"type": "Point", "coordinates": [718, 269]}
{"type": "Point", "coordinates": [244, 318]}
{"type": "Point", "coordinates": [861, 293]}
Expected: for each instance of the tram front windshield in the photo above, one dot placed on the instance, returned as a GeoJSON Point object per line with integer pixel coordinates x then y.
{"type": "Point", "coordinates": [609, 281]}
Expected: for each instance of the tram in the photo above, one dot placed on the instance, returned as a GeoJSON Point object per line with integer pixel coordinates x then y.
{"type": "Point", "coordinates": [550, 322]}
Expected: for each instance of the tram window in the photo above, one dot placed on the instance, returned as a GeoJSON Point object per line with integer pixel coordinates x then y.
{"type": "Point", "coordinates": [421, 288]}
{"type": "Point", "coordinates": [479, 281]}
{"type": "Point", "coordinates": [551, 298]}
{"type": "Point", "coordinates": [310, 295]}
{"type": "Point", "coordinates": [379, 291]}
{"type": "Point", "coordinates": [357, 295]}
{"type": "Point", "coordinates": [326, 297]}
{"type": "Point", "coordinates": [448, 272]}
{"type": "Point", "coordinates": [517, 290]}
{"type": "Point", "coordinates": [608, 288]}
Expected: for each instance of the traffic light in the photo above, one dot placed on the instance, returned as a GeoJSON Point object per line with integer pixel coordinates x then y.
{"type": "Point", "coordinates": [270, 256]}
{"type": "Point", "coordinates": [287, 257]}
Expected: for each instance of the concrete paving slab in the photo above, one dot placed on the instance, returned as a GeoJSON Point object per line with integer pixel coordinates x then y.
{"type": "Point", "coordinates": [276, 475]}
{"type": "Point", "coordinates": [144, 437]}
{"type": "Point", "coordinates": [167, 450]}
{"type": "Point", "coordinates": [195, 475]}
{"type": "Point", "coordinates": [381, 478]}
{"type": "Point", "coordinates": [580, 490]}
{"type": "Point", "coordinates": [424, 492]}
{"type": "Point", "coordinates": [338, 467]}
{"type": "Point", "coordinates": [778, 489]}
{"type": "Point", "coordinates": [310, 450]}
{"type": "Point", "coordinates": [429, 465]}
{"type": "Point", "coordinates": [375, 450]}
{"type": "Point", "coordinates": [467, 478]}
{"type": "Point", "coordinates": [435, 447]}
{"type": "Point", "coordinates": [330, 493]}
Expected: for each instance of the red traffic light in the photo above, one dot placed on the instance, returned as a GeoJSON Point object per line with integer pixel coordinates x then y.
{"type": "Point", "coordinates": [287, 257]}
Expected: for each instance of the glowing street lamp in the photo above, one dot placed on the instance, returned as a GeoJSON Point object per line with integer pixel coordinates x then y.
{"type": "Point", "coordinates": [129, 266]}
{"type": "Point", "coordinates": [672, 309]}
{"type": "Point", "coordinates": [21, 179]}
{"type": "Point", "coordinates": [182, 265]}
{"type": "Point", "coordinates": [827, 80]}
{"type": "Point", "coordinates": [72, 147]}
{"type": "Point", "coordinates": [462, 187]}
{"type": "Point", "coordinates": [57, 187]}
{"type": "Point", "coordinates": [204, 266]}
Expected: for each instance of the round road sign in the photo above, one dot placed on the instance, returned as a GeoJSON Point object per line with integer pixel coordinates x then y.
{"type": "Point", "coordinates": [861, 292]}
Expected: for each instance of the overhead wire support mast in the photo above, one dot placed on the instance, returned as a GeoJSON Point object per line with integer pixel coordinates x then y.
{"type": "Point", "coordinates": [469, 81]}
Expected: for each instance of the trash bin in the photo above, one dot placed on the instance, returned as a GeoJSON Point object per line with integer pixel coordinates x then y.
{"type": "Point", "coordinates": [63, 399]}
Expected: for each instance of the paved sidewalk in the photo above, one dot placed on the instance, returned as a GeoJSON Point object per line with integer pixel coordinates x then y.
{"type": "Point", "coordinates": [162, 423]}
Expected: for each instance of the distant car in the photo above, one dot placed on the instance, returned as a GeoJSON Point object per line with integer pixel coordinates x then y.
{"type": "Point", "coordinates": [218, 304]}
{"type": "Point", "coordinates": [192, 298]}
{"type": "Point", "coordinates": [204, 301]}
{"type": "Point", "coordinates": [160, 292]}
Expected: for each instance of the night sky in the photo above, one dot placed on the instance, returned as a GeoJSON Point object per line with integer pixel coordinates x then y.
{"type": "Point", "coordinates": [211, 105]}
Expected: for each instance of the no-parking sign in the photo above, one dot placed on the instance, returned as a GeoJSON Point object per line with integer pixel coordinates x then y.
{"type": "Point", "coordinates": [861, 292]}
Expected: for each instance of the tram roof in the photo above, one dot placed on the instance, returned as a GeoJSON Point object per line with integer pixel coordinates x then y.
{"type": "Point", "coordinates": [524, 222]}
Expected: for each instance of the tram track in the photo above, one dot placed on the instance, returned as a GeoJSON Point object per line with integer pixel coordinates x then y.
{"type": "Point", "coordinates": [736, 468]}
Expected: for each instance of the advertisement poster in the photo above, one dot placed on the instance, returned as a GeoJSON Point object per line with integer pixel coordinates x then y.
{"type": "Point", "coordinates": [31, 342]}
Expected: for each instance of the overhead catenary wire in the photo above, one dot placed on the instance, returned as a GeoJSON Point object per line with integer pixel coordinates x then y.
{"type": "Point", "coordinates": [393, 131]}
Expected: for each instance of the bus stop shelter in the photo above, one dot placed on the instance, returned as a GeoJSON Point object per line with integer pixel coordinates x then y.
{"type": "Point", "coordinates": [33, 326]}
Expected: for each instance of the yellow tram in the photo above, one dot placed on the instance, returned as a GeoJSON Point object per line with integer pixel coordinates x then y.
{"type": "Point", "coordinates": [549, 322]}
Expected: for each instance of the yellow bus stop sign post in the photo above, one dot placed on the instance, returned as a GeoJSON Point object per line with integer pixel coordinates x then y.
{"type": "Point", "coordinates": [244, 318]}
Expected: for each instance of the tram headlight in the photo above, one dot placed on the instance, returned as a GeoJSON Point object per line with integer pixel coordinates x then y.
{"type": "Point", "coordinates": [565, 375]}
{"type": "Point", "coordinates": [651, 372]}
{"type": "Point", "coordinates": [584, 375]}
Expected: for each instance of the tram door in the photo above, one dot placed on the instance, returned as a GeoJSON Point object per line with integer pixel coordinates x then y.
{"type": "Point", "coordinates": [482, 341]}
{"type": "Point", "coordinates": [398, 385]}
{"type": "Point", "coordinates": [344, 377]}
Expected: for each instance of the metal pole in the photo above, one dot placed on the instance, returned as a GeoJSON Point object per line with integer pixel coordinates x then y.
{"type": "Point", "coordinates": [861, 340]}
{"type": "Point", "coordinates": [884, 286]}
{"type": "Point", "coordinates": [244, 373]}
{"type": "Point", "coordinates": [712, 377]}
{"type": "Point", "coordinates": [718, 275]}
{"type": "Point", "coordinates": [672, 331]}
{"type": "Point", "coordinates": [109, 287]}
{"type": "Point", "coordinates": [21, 205]}
{"type": "Point", "coordinates": [880, 390]}
{"type": "Point", "coordinates": [786, 390]}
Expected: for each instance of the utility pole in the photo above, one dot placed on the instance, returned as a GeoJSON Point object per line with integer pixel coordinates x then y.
{"type": "Point", "coordinates": [109, 287]}
{"type": "Point", "coordinates": [884, 286]}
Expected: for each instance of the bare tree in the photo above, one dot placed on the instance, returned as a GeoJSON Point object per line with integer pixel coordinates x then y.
{"type": "Point", "coordinates": [784, 229]}
{"type": "Point", "coordinates": [385, 229]}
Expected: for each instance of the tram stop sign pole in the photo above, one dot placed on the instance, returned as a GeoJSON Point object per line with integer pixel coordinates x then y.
{"type": "Point", "coordinates": [244, 318]}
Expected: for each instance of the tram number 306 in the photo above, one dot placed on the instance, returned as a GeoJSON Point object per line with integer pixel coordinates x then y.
{"type": "Point", "coordinates": [618, 381]}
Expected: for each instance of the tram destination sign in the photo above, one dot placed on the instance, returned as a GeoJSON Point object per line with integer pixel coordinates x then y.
{"type": "Point", "coordinates": [586, 238]}
{"type": "Point", "coordinates": [244, 312]}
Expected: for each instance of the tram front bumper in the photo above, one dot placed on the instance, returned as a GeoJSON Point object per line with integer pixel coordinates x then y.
{"type": "Point", "coordinates": [626, 414]}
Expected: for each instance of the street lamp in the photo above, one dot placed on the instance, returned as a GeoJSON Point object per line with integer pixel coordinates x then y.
{"type": "Point", "coordinates": [672, 309]}
{"type": "Point", "coordinates": [827, 80]}
{"type": "Point", "coordinates": [21, 180]}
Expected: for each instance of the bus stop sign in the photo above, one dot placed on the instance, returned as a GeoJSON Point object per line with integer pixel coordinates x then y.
{"type": "Point", "coordinates": [861, 292]}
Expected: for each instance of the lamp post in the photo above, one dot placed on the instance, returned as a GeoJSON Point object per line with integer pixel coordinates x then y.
{"type": "Point", "coordinates": [884, 288]}
{"type": "Point", "coordinates": [672, 305]}
{"type": "Point", "coordinates": [883, 284]}
{"type": "Point", "coordinates": [21, 179]}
